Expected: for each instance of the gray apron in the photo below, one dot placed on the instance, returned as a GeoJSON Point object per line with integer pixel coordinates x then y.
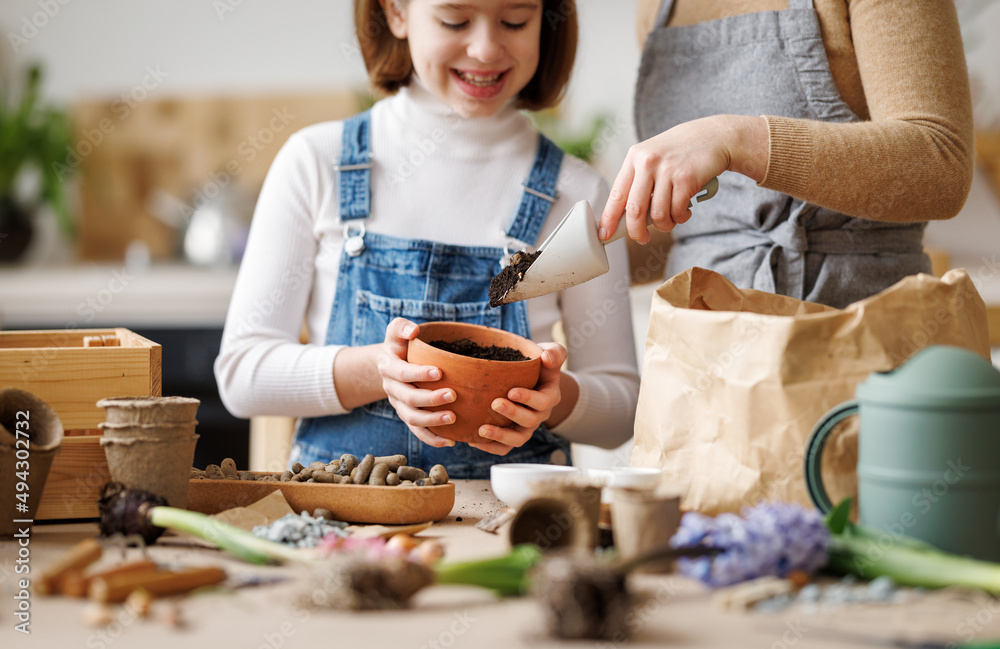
{"type": "Point", "coordinates": [767, 63]}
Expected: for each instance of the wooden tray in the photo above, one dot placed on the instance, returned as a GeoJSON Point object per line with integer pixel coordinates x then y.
{"type": "Point", "coordinates": [348, 502]}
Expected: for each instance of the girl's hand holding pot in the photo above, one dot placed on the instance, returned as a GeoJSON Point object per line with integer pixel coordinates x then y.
{"type": "Point", "coordinates": [527, 409]}
{"type": "Point", "coordinates": [398, 377]}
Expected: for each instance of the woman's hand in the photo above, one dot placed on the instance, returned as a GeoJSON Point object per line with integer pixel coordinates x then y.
{"type": "Point", "coordinates": [527, 409]}
{"type": "Point", "coordinates": [398, 377]}
{"type": "Point", "coordinates": [661, 175]}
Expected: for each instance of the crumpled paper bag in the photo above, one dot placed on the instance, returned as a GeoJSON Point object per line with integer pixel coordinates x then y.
{"type": "Point", "coordinates": [734, 380]}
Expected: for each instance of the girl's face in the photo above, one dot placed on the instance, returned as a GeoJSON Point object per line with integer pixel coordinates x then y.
{"type": "Point", "coordinates": [474, 55]}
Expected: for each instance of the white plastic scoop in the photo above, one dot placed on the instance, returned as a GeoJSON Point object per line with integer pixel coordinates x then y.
{"type": "Point", "coordinates": [574, 253]}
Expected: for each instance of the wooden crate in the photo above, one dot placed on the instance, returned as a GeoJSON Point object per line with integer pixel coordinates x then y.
{"type": "Point", "coordinates": [55, 366]}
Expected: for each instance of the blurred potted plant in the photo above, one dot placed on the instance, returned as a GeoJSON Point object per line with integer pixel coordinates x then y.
{"type": "Point", "coordinates": [580, 143]}
{"type": "Point", "coordinates": [34, 139]}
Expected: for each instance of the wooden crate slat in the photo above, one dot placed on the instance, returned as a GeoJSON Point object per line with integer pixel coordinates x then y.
{"type": "Point", "coordinates": [78, 472]}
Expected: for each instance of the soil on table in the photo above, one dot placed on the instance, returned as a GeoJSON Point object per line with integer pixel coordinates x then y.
{"type": "Point", "coordinates": [511, 275]}
{"type": "Point", "coordinates": [466, 347]}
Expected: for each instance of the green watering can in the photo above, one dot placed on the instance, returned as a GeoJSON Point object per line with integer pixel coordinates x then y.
{"type": "Point", "coordinates": [928, 451]}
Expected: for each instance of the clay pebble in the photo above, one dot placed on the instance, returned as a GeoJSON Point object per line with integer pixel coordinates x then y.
{"type": "Point", "coordinates": [379, 474]}
{"type": "Point", "coordinates": [228, 467]}
{"type": "Point", "coordinates": [364, 469]}
{"type": "Point", "coordinates": [392, 461]}
{"type": "Point", "coordinates": [411, 473]}
{"type": "Point", "coordinates": [348, 463]}
{"type": "Point", "coordinates": [438, 474]}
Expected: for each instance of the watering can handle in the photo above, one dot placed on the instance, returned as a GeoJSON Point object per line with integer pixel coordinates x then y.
{"type": "Point", "coordinates": [814, 452]}
{"type": "Point", "coordinates": [710, 189]}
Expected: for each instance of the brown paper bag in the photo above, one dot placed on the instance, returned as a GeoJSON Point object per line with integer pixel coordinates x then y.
{"type": "Point", "coordinates": [734, 380]}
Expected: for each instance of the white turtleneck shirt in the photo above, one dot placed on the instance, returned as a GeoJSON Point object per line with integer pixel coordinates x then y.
{"type": "Point", "coordinates": [436, 176]}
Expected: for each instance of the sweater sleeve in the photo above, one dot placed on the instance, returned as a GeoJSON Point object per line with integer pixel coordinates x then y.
{"type": "Point", "coordinates": [913, 160]}
{"type": "Point", "coordinates": [262, 368]}
{"type": "Point", "coordinates": [597, 324]}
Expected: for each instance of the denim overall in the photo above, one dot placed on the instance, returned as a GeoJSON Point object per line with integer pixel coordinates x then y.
{"type": "Point", "coordinates": [383, 277]}
{"type": "Point", "coordinates": [767, 63]}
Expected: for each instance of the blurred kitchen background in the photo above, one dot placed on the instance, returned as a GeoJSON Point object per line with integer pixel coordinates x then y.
{"type": "Point", "coordinates": [126, 194]}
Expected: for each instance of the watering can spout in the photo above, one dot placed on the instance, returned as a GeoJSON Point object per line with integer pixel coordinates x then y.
{"type": "Point", "coordinates": [572, 254]}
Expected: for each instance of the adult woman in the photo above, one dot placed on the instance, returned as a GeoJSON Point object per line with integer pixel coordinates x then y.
{"type": "Point", "coordinates": [848, 125]}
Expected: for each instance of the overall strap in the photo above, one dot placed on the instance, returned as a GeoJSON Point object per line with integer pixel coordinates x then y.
{"type": "Point", "coordinates": [800, 4]}
{"type": "Point", "coordinates": [539, 193]}
{"type": "Point", "coordinates": [354, 168]}
{"type": "Point", "coordinates": [663, 15]}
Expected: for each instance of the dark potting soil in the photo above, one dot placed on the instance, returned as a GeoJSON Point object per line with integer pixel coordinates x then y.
{"type": "Point", "coordinates": [466, 347]}
{"type": "Point", "coordinates": [511, 275]}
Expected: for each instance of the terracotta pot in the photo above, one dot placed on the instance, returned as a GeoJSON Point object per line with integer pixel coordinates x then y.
{"type": "Point", "coordinates": [45, 434]}
{"type": "Point", "coordinates": [476, 381]}
{"type": "Point", "coordinates": [149, 410]}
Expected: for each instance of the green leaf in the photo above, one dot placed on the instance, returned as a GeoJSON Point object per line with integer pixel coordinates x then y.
{"type": "Point", "coordinates": [507, 574]}
{"type": "Point", "coordinates": [838, 517]}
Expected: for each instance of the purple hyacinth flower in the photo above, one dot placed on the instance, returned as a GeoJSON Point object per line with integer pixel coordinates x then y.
{"type": "Point", "coordinates": [770, 539]}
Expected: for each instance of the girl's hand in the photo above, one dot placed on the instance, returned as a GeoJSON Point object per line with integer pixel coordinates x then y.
{"type": "Point", "coordinates": [527, 409]}
{"type": "Point", "coordinates": [398, 377]}
{"type": "Point", "coordinates": [661, 175]}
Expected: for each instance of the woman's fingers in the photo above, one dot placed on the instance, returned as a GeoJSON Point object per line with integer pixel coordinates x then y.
{"type": "Point", "coordinates": [637, 206]}
{"type": "Point", "coordinates": [659, 207]}
{"type": "Point", "coordinates": [617, 199]}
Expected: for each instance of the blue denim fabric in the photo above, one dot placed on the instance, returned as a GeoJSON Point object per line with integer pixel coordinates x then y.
{"type": "Point", "coordinates": [355, 169]}
{"type": "Point", "coordinates": [421, 281]}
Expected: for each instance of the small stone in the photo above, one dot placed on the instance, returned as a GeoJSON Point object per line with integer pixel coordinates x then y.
{"type": "Point", "coordinates": [881, 588]}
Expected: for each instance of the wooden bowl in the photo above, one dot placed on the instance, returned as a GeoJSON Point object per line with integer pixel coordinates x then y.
{"type": "Point", "coordinates": [476, 381]}
{"type": "Point", "coordinates": [353, 503]}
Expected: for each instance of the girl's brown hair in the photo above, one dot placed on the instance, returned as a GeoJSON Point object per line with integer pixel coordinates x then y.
{"type": "Point", "coordinates": [390, 67]}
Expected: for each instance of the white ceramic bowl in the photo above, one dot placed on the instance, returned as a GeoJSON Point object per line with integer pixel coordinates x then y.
{"type": "Point", "coordinates": [511, 483]}
{"type": "Point", "coordinates": [632, 477]}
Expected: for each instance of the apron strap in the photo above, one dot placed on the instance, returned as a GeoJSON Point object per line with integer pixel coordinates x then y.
{"type": "Point", "coordinates": [354, 168]}
{"type": "Point", "coordinates": [539, 193]}
{"type": "Point", "coordinates": [663, 15]}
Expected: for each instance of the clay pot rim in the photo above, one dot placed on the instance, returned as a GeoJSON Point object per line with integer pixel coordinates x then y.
{"type": "Point", "coordinates": [520, 342]}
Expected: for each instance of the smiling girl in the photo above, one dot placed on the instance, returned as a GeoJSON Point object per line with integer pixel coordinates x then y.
{"type": "Point", "coordinates": [400, 215]}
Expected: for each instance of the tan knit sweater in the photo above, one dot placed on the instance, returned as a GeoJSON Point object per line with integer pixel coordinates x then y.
{"type": "Point", "coordinates": [901, 67]}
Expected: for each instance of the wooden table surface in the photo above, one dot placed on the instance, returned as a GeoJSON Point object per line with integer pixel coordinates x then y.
{"type": "Point", "coordinates": [675, 611]}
